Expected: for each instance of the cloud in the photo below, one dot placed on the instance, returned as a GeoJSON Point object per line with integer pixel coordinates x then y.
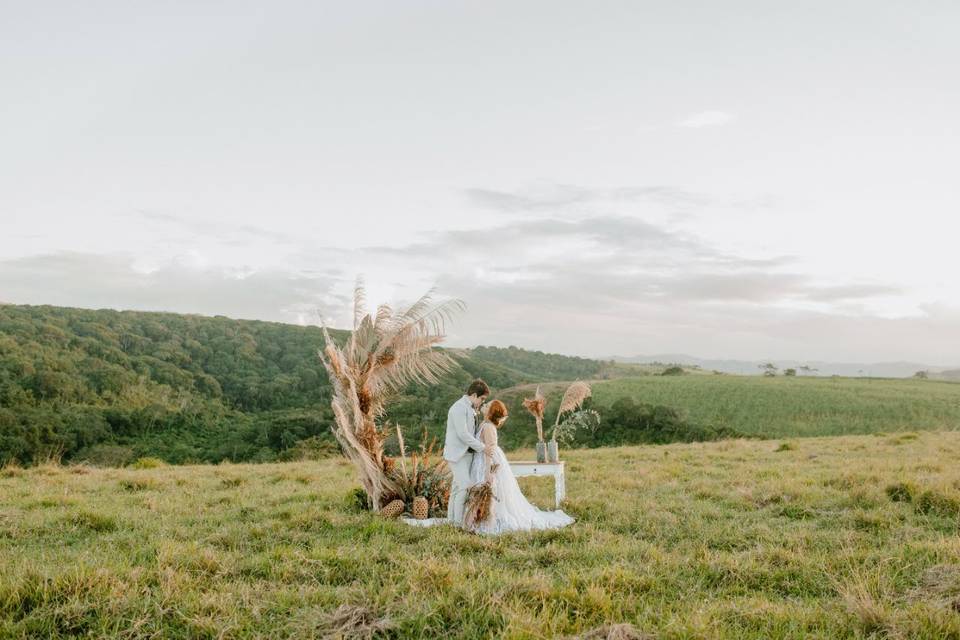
{"type": "Point", "coordinates": [602, 284]}
{"type": "Point", "coordinates": [112, 281]}
{"type": "Point", "coordinates": [554, 197]}
{"type": "Point", "coordinates": [592, 284]}
{"type": "Point", "coordinates": [612, 260]}
{"type": "Point", "coordinates": [706, 119]}
{"type": "Point", "coordinates": [852, 292]}
{"type": "Point", "coordinates": [512, 202]}
{"type": "Point", "coordinates": [230, 234]}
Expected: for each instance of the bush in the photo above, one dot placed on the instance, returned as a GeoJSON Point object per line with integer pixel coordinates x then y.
{"type": "Point", "coordinates": [901, 492]}
{"type": "Point", "coordinates": [312, 448]}
{"type": "Point", "coordinates": [148, 463]}
{"type": "Point", "coordinates": [92, 521]}
{"type": "Point", "coordinates": [938, 504]}
{"type": "Point", "coordinates": [357, 500]}
{"type": "Point", "coordinates": [105, 455]}
{"type": "Point", "coordinates": [673, 371]}
{"type": "Point", "coordinates": [629, 422]}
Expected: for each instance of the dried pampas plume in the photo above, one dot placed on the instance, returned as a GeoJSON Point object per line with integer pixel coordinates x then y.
{"type": "Point", "coordinates": [574, 396]}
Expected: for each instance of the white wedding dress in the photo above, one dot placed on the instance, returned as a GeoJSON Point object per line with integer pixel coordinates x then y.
{"type": "Point", "coordinates": [511, 510]}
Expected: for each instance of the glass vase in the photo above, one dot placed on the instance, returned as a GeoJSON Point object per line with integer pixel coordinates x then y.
{"type": "Point", "coordinates": [553, 451]}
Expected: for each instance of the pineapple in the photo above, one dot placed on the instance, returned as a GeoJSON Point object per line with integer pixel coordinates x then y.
{"type": "Point", "coordinates": [393, 509]}
{"type": "Point", "coordinates": [421, 508]}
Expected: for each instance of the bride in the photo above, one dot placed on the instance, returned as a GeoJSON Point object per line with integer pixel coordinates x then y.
{"type": "Point", "coordinates": [510, 510]}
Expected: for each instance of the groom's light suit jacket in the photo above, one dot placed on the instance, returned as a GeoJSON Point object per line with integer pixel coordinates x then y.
{"type": "Point", "coordinates": [460, 431]}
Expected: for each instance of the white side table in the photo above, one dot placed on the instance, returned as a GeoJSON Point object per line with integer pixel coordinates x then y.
{"type": "Point", "coordinates": [555, 469]}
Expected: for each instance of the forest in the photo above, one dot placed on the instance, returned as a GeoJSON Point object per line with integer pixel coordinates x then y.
{"type": "Point", "coordinates": [108, 387]}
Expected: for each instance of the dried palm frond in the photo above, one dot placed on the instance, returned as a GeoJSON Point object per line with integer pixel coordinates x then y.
{"type": "Point", "coordinates": [383, 354]}
{"type": "Point", "coordinates": [536, 406]}
{"type": "Point", "coordinates": [403, 449]}
{"type": "Point", "coordinates": [384, 314]}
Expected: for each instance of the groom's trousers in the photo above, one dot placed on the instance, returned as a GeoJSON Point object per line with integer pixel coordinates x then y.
{"type": "Point", "coordinates": [458, 488]}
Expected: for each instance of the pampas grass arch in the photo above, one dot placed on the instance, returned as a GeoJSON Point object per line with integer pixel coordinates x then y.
{"type": "Point", "coordinates": [385, 352]}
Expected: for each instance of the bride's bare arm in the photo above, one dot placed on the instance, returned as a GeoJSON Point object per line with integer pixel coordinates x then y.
{"type": "Point", "coordinates": [489, 436]}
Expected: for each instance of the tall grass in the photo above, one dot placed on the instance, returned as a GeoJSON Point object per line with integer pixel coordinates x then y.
{"type": "Point", "coordinates": [828, 538]}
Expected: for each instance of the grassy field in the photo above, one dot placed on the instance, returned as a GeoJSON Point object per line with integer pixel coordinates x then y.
{"type": "Point", "coordinates": [781, 406]}
{"type": "Point", "coordinates": [849, 537]}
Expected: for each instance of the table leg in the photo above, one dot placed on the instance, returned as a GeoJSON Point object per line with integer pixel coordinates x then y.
{"type": "Point", "coordinates": [559, 488]}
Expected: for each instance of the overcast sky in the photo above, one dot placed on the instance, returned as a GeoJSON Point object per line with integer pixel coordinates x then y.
{"type": "Point", "coordinates": [743, 179]}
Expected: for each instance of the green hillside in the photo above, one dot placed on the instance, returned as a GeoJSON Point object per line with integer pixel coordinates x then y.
{"type": "Point", "coordinates": [654, 408]}
{"type": "Point", "coordinates": [109, 386]}
{"type": "Point", "coordinates": [798, 406]}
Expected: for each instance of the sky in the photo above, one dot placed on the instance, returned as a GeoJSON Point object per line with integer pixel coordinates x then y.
{"type": "Point", "coordinates": [741, 179]}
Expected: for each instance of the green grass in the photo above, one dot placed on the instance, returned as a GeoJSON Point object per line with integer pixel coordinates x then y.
{"type": "Point", "coordinates": [790, 407]}
{"type": "Point", "coordinates": [849, 537]}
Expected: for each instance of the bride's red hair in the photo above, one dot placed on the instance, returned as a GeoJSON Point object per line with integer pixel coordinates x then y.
{"type": "Point", "coordinates": [496, 412]}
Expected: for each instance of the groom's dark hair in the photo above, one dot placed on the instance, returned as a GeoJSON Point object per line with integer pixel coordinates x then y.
{"type": "Point", "coordinates": [479, 388]}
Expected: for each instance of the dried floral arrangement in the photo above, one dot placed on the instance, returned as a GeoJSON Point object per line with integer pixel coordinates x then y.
{"type": "Point", "coordinates": [536, 406]}
{"type": "Point", "coordinates": [385, 352]}
{"type": "Point", "coordinates": [426, 476]}
{"type": "Point", "coordinates": [479, 504]}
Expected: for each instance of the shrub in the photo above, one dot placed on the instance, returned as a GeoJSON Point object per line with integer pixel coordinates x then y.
{"type": "Point", "coordinates": [938, 504]}
{"type": "Point", "coordinates": [673, 371]}
{"type": "Point", "coordinates": [137, 485]}
{"type": "Point", "coordinates": [357, 500]}
{"type": "Point", "coordinates": [105, 455]}
{"type": "Point", "coordinates": [11, 470]}
{"type": "Point", "coordinates": [901, 492]}
{"type": "Point", "coordinates": [92, 521]}
{"type": "Point", "coordinates": [630, 422]}
{"type": "Point", "coordinates": [148, 463]}
{"type": "Point", "coordinates": [312, 448]}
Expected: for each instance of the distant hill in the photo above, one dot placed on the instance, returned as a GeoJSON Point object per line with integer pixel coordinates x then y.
{"type": "Point", "coordinates": [752, 367]}
{"type": "Point", "coordinates": [947, 374]}
{"type": "Point", "coordinates": [110, 385]}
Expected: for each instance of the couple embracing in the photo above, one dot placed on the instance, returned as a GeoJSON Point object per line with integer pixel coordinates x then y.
{"type": "Point", "coordinates": [472, 453]}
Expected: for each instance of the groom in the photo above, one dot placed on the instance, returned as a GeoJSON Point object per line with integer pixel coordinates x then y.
{"type": "Point", "coordinates": [461, 438]}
